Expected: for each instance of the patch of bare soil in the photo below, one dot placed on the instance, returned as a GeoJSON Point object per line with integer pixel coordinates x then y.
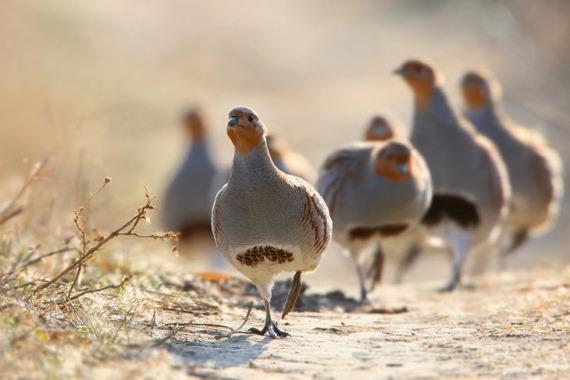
{"type": "Point", "coordinates": [510, 325]}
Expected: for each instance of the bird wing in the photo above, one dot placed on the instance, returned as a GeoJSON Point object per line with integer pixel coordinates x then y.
{"type": "Point", "coordinates": [314, 214]}
{"type": "Point", "coordinates": [216, 218]}
{"type": "Point", "coordinates": [546, 172]}
{"type": "Point", "coordinates": [339, 167]}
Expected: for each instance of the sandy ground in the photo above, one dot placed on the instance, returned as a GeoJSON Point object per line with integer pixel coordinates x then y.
{"type": "Point", "coordinates": [514, 325]}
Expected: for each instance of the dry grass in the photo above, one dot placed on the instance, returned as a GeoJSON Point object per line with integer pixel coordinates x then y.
{"type": "Point", "coordinates": [54, 319]}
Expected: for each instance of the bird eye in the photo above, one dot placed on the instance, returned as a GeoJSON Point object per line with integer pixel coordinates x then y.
{"type": "Point", "coordinates": [251, 118]}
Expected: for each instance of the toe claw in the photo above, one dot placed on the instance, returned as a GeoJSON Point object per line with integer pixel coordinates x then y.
{"type": "Point", "coordinates": [253, 330]}
{"type": "Point", "coordinates": [447, 288]}
{"type": "Point", "coordinates": [278, 332]}
{"type": "Point", "coordinates": [272, 334]}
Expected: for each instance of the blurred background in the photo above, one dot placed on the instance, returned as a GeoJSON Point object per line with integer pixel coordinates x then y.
{"type": "Point", "coordinates": [97, 87]}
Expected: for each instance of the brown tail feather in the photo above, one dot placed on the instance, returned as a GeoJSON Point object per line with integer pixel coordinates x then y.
{"type": "Point", "coordinates": [293, 294]}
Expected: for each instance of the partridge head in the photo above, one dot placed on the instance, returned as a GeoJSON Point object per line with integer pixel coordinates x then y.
{"type": "Point", "coordinates": [245, 129]}
{"type": "Point", "coordinates": [421, 78]}
{"type": "Point", "coordinates": [378, 129]}
{"type": "Point", "coordinates": [393, 162]}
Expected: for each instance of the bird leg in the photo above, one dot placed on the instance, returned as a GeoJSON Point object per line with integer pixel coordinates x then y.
{"type": "Point", "coordinates": [404, 265]}
{"type": "Point", "coordinates": [361, 280]}
{"type": "Point", "coordinates": [377, 267]}
{"type": "Point", "coordinates": [270, 326]}
{"type": "Point", "coordinates": [459, 242]}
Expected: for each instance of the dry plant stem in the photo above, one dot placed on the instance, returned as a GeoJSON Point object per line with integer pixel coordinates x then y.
{"type": "Point", "coordinates": [234, 331]}
{"type": "Point", "coordinates": [34, 261]}
{"type": "Point", "coordinates": [74, 282]}
{"type": "Point", "coordinates": [122, 230]}
{"type": "Point", "coordinates": [160, 342]}
{"type": "Point", "coordinates": [9, 212]}
{"type": "Point", "coordinates": [153, 236]}
{"type": "Point", "coordinates": [83, 259]}
{"type": "Point", "coordinates": [6, 216]}
{"type": "Point", "coordinates": [81, 294]}
{"type": "Point", "coordinates": [14, 266]}
{"type": "Point", "coordinates": [79, 225]}
{"type": "Point", "coordinates": [227, 335]}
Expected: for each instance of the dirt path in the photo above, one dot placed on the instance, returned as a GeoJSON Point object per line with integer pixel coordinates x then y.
{"type": "Point", "coordinates": [509, 326]}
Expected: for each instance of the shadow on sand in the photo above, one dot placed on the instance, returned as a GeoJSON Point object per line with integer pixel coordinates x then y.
{"type": "Point", "coordinates": [228, 352]}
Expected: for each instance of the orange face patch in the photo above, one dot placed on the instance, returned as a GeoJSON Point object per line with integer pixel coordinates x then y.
{"type": "Point", "coordinates": [244, 138]}
{"type": "Point", "coordinates": [474, 96]}
{"type": "Point", "coordinates": [394, 168]}
{"type": "Point", "coordinates": [422, 89]}
{"type": "Point", "coordinates": [196, 131]}
{"type": "Point", "coordinates": [194, 125]}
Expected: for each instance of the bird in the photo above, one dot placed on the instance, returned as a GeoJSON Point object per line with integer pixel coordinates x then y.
{"type": "Point", "coordinates": [266, 221]}
{"type": "Point", "coordinates": [289, 161]}
{"type": "Point", "coordinates": [380, 128]}
{"type": "Point", "coordinates": [376, 192]}
{"type": "Point", "coordinates": [188, 199]}
{"type": "Point", "coordinates": [470, 180]}
{"type": "Point", "coordinates": [535, 168]}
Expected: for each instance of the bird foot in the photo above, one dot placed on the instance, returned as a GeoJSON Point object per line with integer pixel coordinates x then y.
{"type": "Point", "coordinates": [447, 288]}
{"type": "Point", "coordinates": [364, 297]}
{"type": "Point", "coordinates": [452, 284]}
{"type": "Point", "coordinates": [272, 330]}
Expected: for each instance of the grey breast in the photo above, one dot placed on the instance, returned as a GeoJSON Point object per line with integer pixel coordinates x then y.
{"type": "Point", "coordinates": [461, 163]}
{"type": "Point", "coordinates": [262, 207]}
{"type": "Point", "coordinates": [362, 200]}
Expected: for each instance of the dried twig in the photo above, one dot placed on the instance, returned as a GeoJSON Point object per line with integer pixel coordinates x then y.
{"type": "Point", "coordinates": [126, 229]}
{"type": "Point", "coordinates": [89, 291]}
{"type": "Point", "coordinates": [29, 262]}
{"type": "Point", "coordinates": [227, 335]}
{"type": "Point", "coordinates": [160, 342]}
{"type": "Point", "coordinates": [6, 214]}
{"type": "Point", "coordinates": [80, 226]}
{"type": "Point", "coordinates": [11, 210]}
{"type": "Point", "coordinates": [242, 324]}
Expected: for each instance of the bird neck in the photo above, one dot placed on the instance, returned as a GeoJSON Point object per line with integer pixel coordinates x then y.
{"type": "Point", "coordinates": [256, 160]}
{"type": "Point", "coordinates": [439, 108]}
{"type": "Point", "coordinates": [487, 119]}
{"type": "Point", "coordinates": [423, 92]}
{"type": "Point", "coordinates": [198, 148]}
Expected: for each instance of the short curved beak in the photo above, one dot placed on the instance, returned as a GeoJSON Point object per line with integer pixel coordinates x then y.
{"type": "Point", "coordinates": [398, 71]}
{"type": "Point", "coordinates": [233, 121]}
